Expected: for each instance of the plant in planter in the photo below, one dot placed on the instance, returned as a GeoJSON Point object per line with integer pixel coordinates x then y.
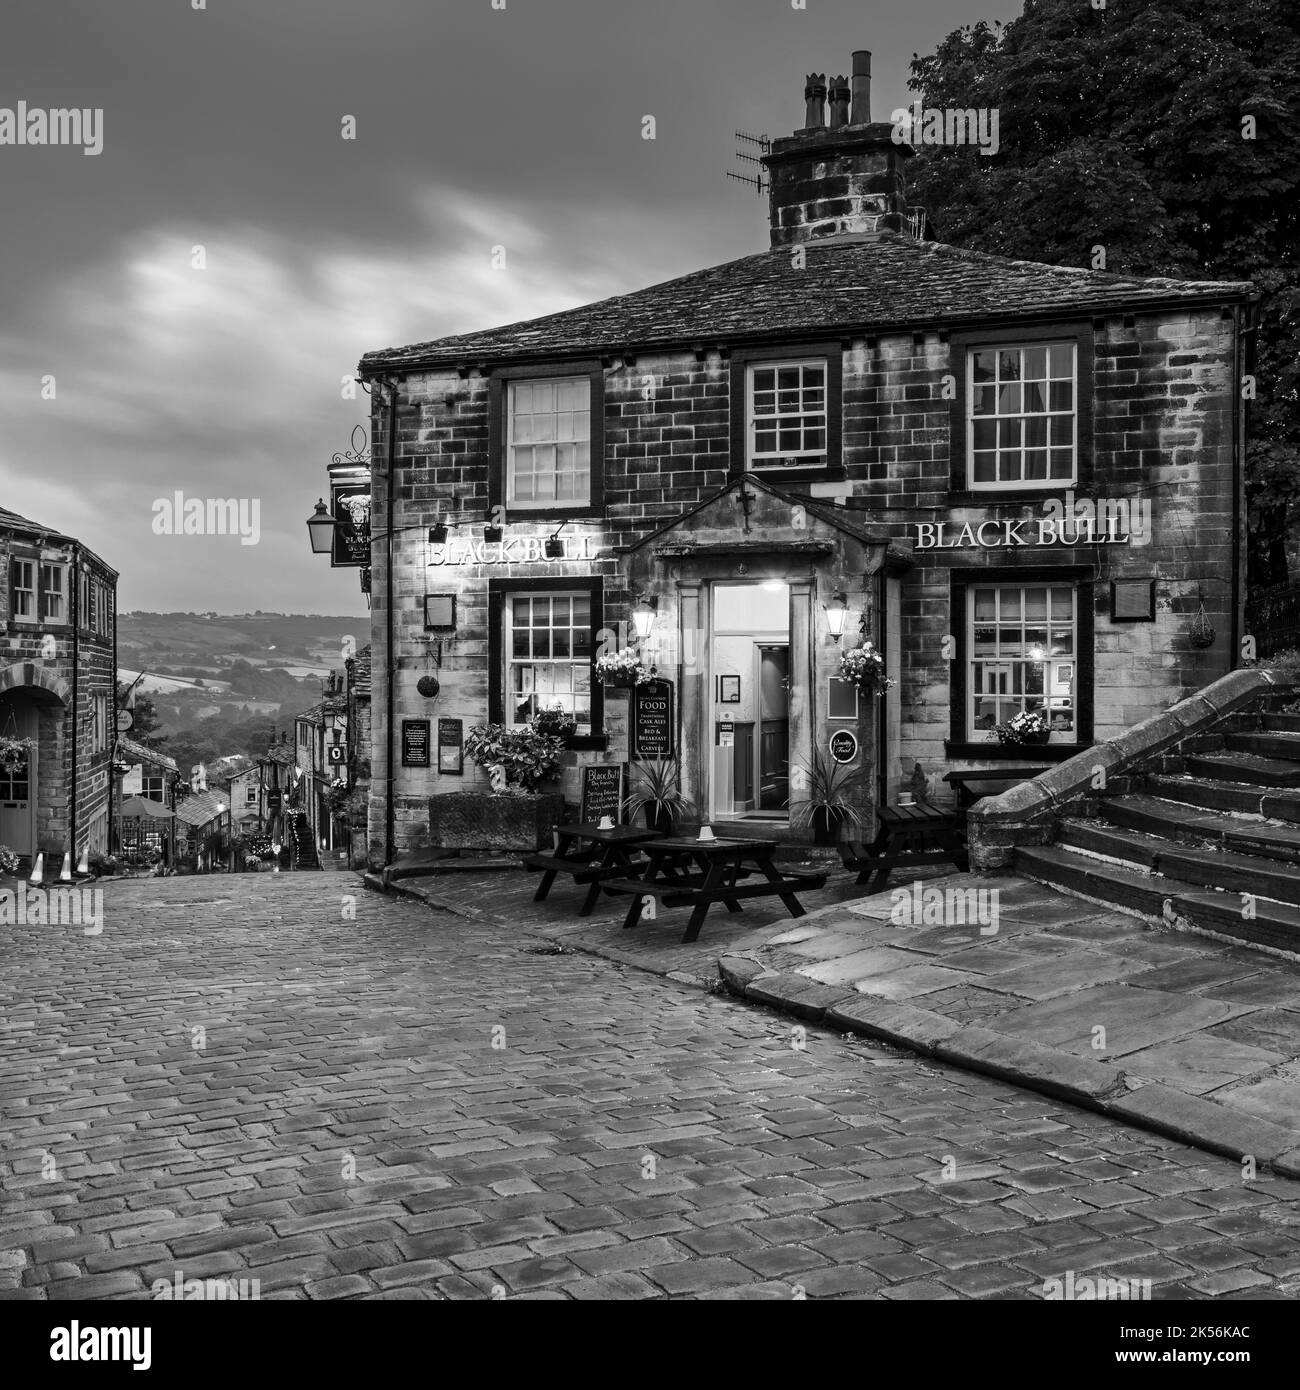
{"type": "Point", "coordinates": [865, 667]}
{"type": "Point", "coordinates": [8, 860]}
{"type": "Point", "coordinates": [658, 792]}
{"type": "Point", "coordinates": [827, 807]}
{"type": "Point", "coordinates": [1029, 726]}
{"type": "Point", "coordinates": [557, 722]}
{"type": "Point", "coordinates": [623, 669]}
{"type": "Point", "coordinates": [517, 760]}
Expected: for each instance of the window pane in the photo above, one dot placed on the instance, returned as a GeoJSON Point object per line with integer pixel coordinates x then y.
{"type": "Point", "coordinates": [984, 365]}
{"type": "Point", "coordinates": [1009, 364]}
{"type": "Point", "coordinates": [1035, 364]}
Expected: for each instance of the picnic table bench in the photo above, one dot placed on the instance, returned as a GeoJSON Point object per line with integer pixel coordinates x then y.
{"type": "Point", "coordinates": [591, 855]}
{"type": "Point", "coordinates": [687, 872]}
{"type": "Point", "coordinates": [963, 778]}
{"type": "Point", "coordinates": [908, 836]}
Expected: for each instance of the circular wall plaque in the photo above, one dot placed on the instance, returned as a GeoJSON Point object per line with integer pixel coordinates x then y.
{"type": "Point", "coordinates": [843, 746]}
{"type": "Point", "coordinates": [428, 686]}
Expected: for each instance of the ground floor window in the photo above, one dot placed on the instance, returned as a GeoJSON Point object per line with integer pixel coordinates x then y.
{"type": "Point", "coordinates": [1021, 652]}
{"type": "Point", "coordinates": [548, 647]}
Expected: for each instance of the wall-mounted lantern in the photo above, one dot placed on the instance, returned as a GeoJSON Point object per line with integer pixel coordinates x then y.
{"type": "Point", "coordinates": [320, 527]}
{"type": "Point", "coordinates": [643, 617]}
{"type": "Point", "coordinates": [837, 617]}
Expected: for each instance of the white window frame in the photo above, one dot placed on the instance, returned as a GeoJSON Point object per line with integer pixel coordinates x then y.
{"type": "Point", "coordinates": [61, 593]}
{"type": "Point", "coordinates": [509, 703]}
{"type": "Point", "coordinates": [803, 458]}
{"type": "Point", "coordinates": [1050, 699]}
{"type": "Point", "coordinates": [1020, 483]}
{"type": "Point", "coordinates": [147, 779]}
{"type": "Point", "coordinates": [544, 504]}
{"type": "Point", "coordinates": [17, 564]}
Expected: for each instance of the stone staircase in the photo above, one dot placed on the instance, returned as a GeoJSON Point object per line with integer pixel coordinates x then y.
{"type": "Point", "coordinates": [302, 843]}
{"type": "Point", "coordinates": [1209, 838]}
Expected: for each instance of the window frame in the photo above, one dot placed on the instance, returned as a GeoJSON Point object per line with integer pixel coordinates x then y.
{"type": "Point", "coordinates": [61, 568]}
{"type": "Point", "coordinates": [828, 351]}
{"type": "Point", "coordinates": [34, 563]}
{"type": "Point", "coordinates": [962, 346]}
{"type": "Point", "coordinates": [498, 435]}
{"type": "Point", "coordinates": [1082, 578]}
{"type": "Point", "coordinates": [751, 419]}
{"type": "Point", "coordinates": [498, 592]}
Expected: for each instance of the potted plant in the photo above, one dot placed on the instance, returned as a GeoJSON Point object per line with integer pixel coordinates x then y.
{"type": "Point", "coordinates": [1029, 726]}
{"type": "Point", "coordinates": [8, 860]}
{"type": "Point", "coordinates": [658, 793]}
{"type": "Point", "coordinates": [865, 667]}
{"type": "Point", "coordinates": [623, 669]}
{"type": "Point", "coordinates": [827, 807]}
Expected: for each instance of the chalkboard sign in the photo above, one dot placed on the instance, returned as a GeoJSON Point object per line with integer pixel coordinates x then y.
{"type": "Point", "coordinates": [652, 720]}
{"type": "Point", "coordinates": [451, 746]}
{"type": "Point", "coordinates": [602, 792]}
{"type": "Point", "coordinates": [415, 743]}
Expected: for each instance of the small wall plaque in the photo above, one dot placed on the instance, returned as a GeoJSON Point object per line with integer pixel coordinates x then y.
{"type": "Point", "coordinates": [440, 612]}
{"type": "Point", "coordinates": [1132, 600]}
{"type": "Point", "coordinates": [415, 743]}
{"type": "Point", "coordinates": [451, 746]}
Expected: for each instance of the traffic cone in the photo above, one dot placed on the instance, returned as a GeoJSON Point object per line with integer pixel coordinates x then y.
{"type": "Point", "coordinates": [65, 873]}
{"type": "Point", "coordinates": [37, 875]}
{"type": "Point", "coordinates": [83, 864]}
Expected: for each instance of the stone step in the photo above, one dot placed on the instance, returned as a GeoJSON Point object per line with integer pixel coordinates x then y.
{"type": "Point", "coordinates": [1228, 796]}
{"type": "Point", "coordinates": [1284, 747]}
{"type": "Point", "coordinates": [1269, 923]}
{"type": "Point", "coordinates": [1172, 820]}
{"type": "Point", "coordinates": [1244, 767]}
{"type": "Point", "coordinates": [1282, 723]}
{"type": "Point", "coordinates": [1231, 870]}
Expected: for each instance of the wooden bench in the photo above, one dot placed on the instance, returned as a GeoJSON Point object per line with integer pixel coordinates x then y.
{"type": "Point", "coordinates": [908, 837]}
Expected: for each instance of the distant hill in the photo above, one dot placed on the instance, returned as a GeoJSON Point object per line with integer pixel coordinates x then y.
{"type": "Point", "coordinates": [205, 644]}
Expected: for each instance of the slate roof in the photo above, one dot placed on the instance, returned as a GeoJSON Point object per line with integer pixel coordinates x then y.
{"type": "Point", "coordinates": [850, 285]}
{"type": "Point", "coordinates": [138, 753]}
{"type": "Point", "coordinates": [11, 521]}
{"type": "Point", "coordinates": [200, 808]}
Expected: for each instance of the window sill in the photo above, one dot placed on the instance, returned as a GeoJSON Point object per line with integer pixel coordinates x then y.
{"type": "Point", "coordinates": [985, 496]}
{"type": "Point", "coordinates": [516, 515]}
{"type": "Point", "coordinates": [823, 473]}
{"type": "Point", "coordinates": [1013, 752]}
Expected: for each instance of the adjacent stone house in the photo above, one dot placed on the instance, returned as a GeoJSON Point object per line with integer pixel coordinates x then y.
{"type": "Point", "coordinates": [58, 672]}
{"type": "Point", "coordinates": [1022, 483]}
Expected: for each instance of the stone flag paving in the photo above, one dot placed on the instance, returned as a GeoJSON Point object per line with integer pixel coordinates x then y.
{"type": "Point", "coordinates": [283, 1079]}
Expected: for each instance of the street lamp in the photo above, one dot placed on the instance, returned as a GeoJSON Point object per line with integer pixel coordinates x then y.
{"type": "Point", "coordinates": [643, 617]}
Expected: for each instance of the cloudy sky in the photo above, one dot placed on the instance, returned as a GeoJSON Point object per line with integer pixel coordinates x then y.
{"type": "Point", "coordinates": [475, 126]}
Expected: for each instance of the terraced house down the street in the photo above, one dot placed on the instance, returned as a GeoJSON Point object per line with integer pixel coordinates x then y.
{"type": "Point", "coordinates": [1021, 483]}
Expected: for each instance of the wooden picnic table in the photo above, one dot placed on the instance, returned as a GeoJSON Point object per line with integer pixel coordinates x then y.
{"type": "Point", "coordinates": [908, 836]}
{"type": "Point", "coordinates": [964, 777]}
{"type": "Point", "coordinates": [684, 871]}
{"type": "Point", "coordinates": [591, 855]}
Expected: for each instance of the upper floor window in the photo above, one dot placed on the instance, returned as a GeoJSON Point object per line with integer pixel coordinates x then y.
{"type": "Point", "coordinates": [22, 591]}
{"type": "Point", "coordinates": [1022, 421]}
{"type": "Point", "coordinates": [54, 595]}
{"type": "Point", "coordinates": [786, 415]}
{"type": "Point", "coordinates": [548, 443]}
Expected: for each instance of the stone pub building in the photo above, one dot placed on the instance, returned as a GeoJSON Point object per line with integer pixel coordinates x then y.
{"type": "Point", "coordinates": [1021, 482]}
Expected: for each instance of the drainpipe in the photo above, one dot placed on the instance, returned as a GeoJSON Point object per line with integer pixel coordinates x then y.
{"type": "Point", "coordinates": [390, 492]}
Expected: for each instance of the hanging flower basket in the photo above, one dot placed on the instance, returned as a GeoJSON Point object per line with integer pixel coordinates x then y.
{"type": "Point", "coordinates": [864, 666]}
{"type": "Point", "coordinates": [623, 669]}
{"type": "Point", "coordinates": [1201, 631]}
{"type": "Point", "coordinates": [14, 751]}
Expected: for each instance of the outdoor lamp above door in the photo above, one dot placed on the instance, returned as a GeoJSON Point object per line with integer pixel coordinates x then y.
{"type": "Point", "coordinates": [320, 527]}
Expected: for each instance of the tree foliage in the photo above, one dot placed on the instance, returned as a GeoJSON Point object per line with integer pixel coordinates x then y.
{"type": "Point", "coordinates": [1124, 128]}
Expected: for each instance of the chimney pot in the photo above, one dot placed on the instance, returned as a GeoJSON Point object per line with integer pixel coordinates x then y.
{"type": "Point", "coordinates": [839, 102]}
{"type": "Point", "coordinates": [814, 94]}
{"type": "Point", "coordinates": [861, 114]}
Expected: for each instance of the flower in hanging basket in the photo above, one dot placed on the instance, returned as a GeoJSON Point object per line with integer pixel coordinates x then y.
{"type": "Point", "coordinates": [623, 669]}
{"type": "Point", "coordinates": [14, 751]}
{"type": "Point", "coordinates": [8, 860]}
{"type": "Point", "coordinates": [1029, 726]}
{"type": "Point", "coordinates": [865, 667]}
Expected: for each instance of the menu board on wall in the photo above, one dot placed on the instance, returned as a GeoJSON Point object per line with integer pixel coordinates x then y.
{"type": "Point", "coordinates": [652, 720]}
{"type": "Point", "coordinates": [415, 743]}
{"type": "Point", "coordinates": [451, 746]}
{"type": "Point", "coordinates": [602, 792]}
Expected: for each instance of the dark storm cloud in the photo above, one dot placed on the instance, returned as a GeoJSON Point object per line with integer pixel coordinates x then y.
{"type": "Point", "coordinates": [475, 128]}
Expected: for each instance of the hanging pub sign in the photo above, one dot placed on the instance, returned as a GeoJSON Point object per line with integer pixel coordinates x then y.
{"type": "Point", "coordinates": [350, 505]}
{"type": "Point", "coordinates": [451, 746]}
{"type": "Point", "coordinates": [415, 743]}
{"type": "Point", "coordinates": [652, 720]}
{"type": "Point", "coordinates": [602, 793]}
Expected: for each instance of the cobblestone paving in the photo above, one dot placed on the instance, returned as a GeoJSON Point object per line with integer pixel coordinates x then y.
{"type": "Point", "coordinates": [349, 1129]}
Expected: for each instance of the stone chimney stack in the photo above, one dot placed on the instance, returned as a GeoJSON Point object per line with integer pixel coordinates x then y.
{"type": "Point", "coordinates": [841, 179]}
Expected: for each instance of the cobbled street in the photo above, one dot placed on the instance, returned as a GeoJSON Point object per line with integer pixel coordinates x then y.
{"type": "Point", "coordinates": [235, 1080]}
